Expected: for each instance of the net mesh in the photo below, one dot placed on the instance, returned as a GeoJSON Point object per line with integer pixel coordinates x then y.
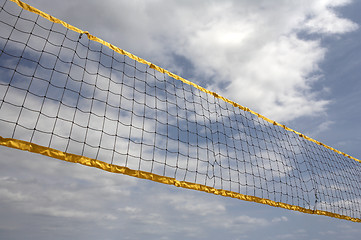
{"type": "Point", "coordinates": [60, 90]}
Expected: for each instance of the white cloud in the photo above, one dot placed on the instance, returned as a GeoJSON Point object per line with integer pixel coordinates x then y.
{"type": "Point", "coordinates": [194, 206]}
{"type": "Point", "coordinates": [279, 219]}
{"type": "Point", "coordinates": [8, 195]}
{"type": "Point", "coordinates": [250, 220]}
{"type": "Point", "coordinates": [324, 126]}
{"type": "Point", "coordinates": [253, 49]}
{"type": "Point", "coordinates": [70, 213]}
{"type": "Point", "coordinates": [329, 23]}
{"type": "Point", "coordinates": [323, 19]}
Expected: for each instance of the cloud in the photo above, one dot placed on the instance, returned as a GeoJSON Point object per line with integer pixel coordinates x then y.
{"type": "Point", "coordinates": [70, 213]}
{"type": "Point", "coordinates": [193, 206]}
{"type": "Point", "coordinates": [8, 195]}
{"type": "Point", "coordinates": [324, 126]}
{"type": "Point", "coordinates": [56, 196]}
{"type": "Point", "coordinates": [55, 193]}
{"type": "Point", "coordinates": [250, 52]}
{"type": "Point", "coordinates": [250, 220]}
{"type": "Point", "coordinates": [279, 219]}
{"type": "Point", "coordinates": [324, 20]}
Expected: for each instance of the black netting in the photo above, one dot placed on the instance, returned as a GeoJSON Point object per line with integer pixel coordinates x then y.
{"type": "Point", "coordinates": [60, 90]}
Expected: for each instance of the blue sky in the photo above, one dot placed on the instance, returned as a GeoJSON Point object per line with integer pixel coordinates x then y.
{"type": "Point", "coordinates": [295, 62]}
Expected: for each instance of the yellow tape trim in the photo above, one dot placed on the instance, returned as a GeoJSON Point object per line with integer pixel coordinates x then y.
{"type": "Point", "coordinates": [53, 153]}
{"type": "Point", "coordinates": [162, 70]}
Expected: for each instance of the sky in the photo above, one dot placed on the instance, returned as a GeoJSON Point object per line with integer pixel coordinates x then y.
{"type": "Point", "coordinates": [296, 62]}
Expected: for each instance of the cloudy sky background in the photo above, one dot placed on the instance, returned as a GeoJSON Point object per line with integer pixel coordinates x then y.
{"type": "Point", "coordinates": [297, 62]}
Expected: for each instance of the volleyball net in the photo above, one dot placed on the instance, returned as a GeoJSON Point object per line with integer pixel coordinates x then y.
{"type": "Point", "coordinates": [69, 95]}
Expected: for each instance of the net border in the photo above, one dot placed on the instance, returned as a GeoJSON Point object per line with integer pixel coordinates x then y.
{"type": "Point", "coordinates": [53, 153]}
{"type": "Point", "coordinates": [90, 162]}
